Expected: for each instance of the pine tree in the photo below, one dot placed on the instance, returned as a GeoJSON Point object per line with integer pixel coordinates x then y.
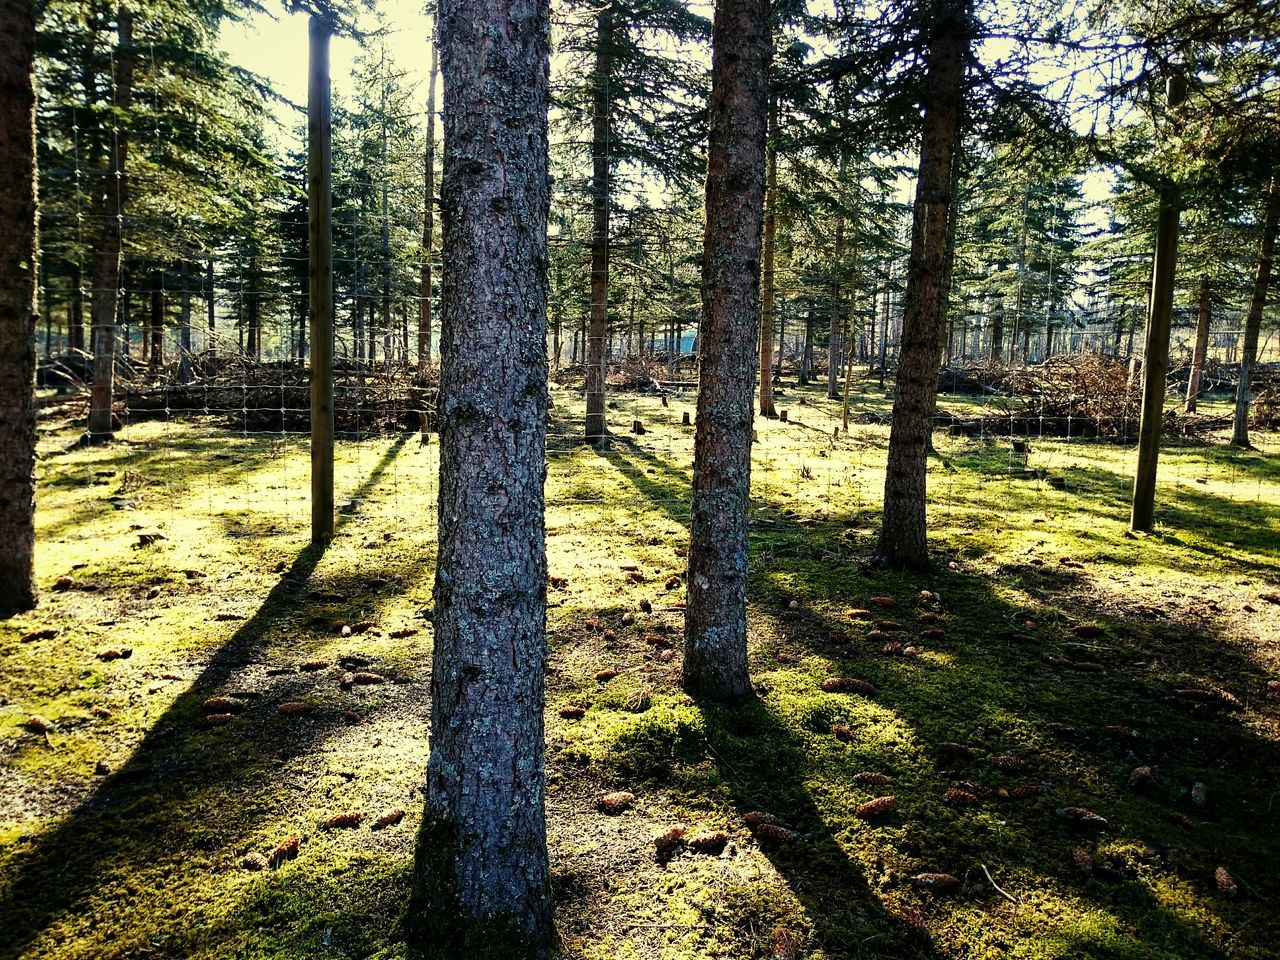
{"type": "Point", "coordinates": [18, 253]}
{"type": "Point", "coordinates": [715, 661]}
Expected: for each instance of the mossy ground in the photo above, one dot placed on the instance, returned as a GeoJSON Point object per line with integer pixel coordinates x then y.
{"type": "Point", "coordinates": [145, 860]}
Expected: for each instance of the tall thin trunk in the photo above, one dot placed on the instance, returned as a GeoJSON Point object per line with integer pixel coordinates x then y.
{"type": "Point", "coordinates": [75, 317]}
{"type": "Point", "coordinates": [903, 540]}
{"type": "Point", "coordinates": [428, 213]}
{"type": "Point", "coordinates": [184, 324]}
{"type": "Point", "coordinates": [319, 277]}
{"type": "Point", "coordinates": [109, 209]}
{"type": "Point", "coordinates": [766, 273]}
{"type": "Point", "coordinates": [837, 266]}
{"type": "Point", "coordinates": [806, 352]}
{"type": "Point", "coordinates": [19, 248]}
{"type": "Point", "coordinates": [157, 320]}
{"type": "Point", "coordinates": [715, 659]}
{"type": "Point", "coordinates": [1203, 316]}
{"type": "Point", "coordinates": [482, 870]}
{"type": "Point", "coordinates": [997, 333]}
{"type": "Point", "coordinates": [211, 299]}
{"type": "Point", "coordinates": [1253, 324]}
{"type": "Point", "coordinates": [600, 144]}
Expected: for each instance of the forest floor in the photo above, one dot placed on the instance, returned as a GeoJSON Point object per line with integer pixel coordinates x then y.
{"type": "Point", "coordinates": [1051, 647]}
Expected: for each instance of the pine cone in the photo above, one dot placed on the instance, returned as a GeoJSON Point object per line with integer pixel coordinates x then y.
{"type": "Point", "coordinates": [573, 713]}
{"type": "Point", "coordinates": [956, 751]}
{"type": "Point", "coordinates": [776, 832]}
{"type": "Point", "coordinates": [293, 708]}
{"type": "Point", "coordinates": [1141, 778]}
{"type": "Point", "coordinates": [288, 850]}
{"type": "Point", "coordinates": [870, 778]}
{"type": "Point", "coordinates": [754, 818]}
{"type": "Point", "coordinates": [877, 807]}
{"type": "Point", "coordinates": [668, 843]}
{"type": "Point", "coordinates": [883, 602]}
{"type": "Point", "coordinates": [388, 819]}
{"type": "Point", "coordinates": [961, 798]}
{"type": "Point", "coordinates": [1025, 791]}
{"type": "Point", "coordinates": [214, 720]}
{"type": "Point", "coordinates": [1225, 883]}
{"type": "Point", "coordinates": [935, 881]}
{"type": "Point", "coordinates": [367, 677]}
{"type": "Point", "coordinates": [311, 666]}
{"type": "Point", "coordinates": [843, 733]}
{"type": "Point", "coordinates": [1007, 763]}
{"type": "Point", "coordinates": [933, 634]}
{"type": "Point", "coordinates": [344, 820]}
{"type": "Point", "coordinates": [616, 802]}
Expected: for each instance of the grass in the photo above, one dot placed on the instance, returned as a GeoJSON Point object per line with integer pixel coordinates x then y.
{"type": "Point", "coordinates": [123, 831]}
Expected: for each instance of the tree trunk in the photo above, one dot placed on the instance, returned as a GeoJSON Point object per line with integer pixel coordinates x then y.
{"type": "Point", "coordinates": [766, 273]}
{"type": "Point", "coordinates": [806, 352]}
{"type": "Point", "coordinates": [156, 323]}
{"type": "Point", "coordinates": [19, 247]}
{"type": "Point", "coordinates": [482, 875]}
{"type": "Point", "coordinates": [75, 330]}
{"type": "Point", "coordinates": [428, 213]}
{"type": "Point", "coordinates": [210, 303]}
{"type": "Point", "coordinates": [1253, 324]}
{"type": "Point", "coordinates": [715, 660]}
{"type": "Point", "coordinates": [903, 539]}
{"type": "Point", "coordinates": [1203, 316]}
{"type": "Point", "coordinates": [837, 265]}
{"type": "Point", "coordinates": [108, 210]}
{"type": "Point", "coordinates": [319, 278]}
{"type": "Point", "coordinates": [184, 325]}
{"type": "Point", "coordinates": [600, 137]}
{"type": "Point", "coordinates": [1155, 361]}
{"type": "Point", "coordinates": [997, 333]}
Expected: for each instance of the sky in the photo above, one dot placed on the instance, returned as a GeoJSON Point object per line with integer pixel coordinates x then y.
{"type": "Point", "coordinates": [277, 49]}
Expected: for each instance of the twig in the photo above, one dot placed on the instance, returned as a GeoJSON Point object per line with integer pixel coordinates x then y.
{"type": "Point", "coordinates": [996, 887]}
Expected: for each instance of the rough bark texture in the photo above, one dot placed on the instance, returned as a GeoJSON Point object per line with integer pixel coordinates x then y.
{"type": "Point", "coordinates": [1203, 316]}
{"type": "Point", "coordinates": [903, 541]}
{"type": "Point", "coordinates": [482, 883]}
{"type": "Point", "coordinates": [108, 207]}
{"type": "Point", "coordinates": [18, 250]}
{"type": "Point", "coordinates": [715, 660]}
{"type": "Point", "coordinates": [837, 305]}
{"type": "Point", "coordinates": [156, 320]}
{"type": "Point", "coordinates": [428, 216]}
{"type": "Point", "coordinates": [766, 274]}
{"type": "Point", "coordinates": [1155, 360]}
{"type": "Point", "coordinates": [1253, 325]}
{"type": "Point", "coordinates": [600, 134]}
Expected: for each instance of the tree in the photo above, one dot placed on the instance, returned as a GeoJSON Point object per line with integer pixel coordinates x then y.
{"type": "Point", "coordinates": [636, 103]}
{"type": "Point", "coordinates": [903, 539]}
{"type": "Point", "coordinates": [1253, 323]}
{"type": "Point", "coordinates": [18, 251]}
{"type": "Point", "coordinates": [715, 661]}
{"type": "Point", "coordinates": [482, 874]}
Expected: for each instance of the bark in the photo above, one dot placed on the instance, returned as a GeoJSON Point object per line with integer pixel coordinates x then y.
{"type": "Point", "coordinates": [428, 217]}
{"type": "Point", "coordinates": [18, 252]}
{"type": "Point", "coordinates": [837, 264]}
{"type": "Point", "coordinates": [482, 878]}
{"type": "Point", "coordinates": [1203, 317]}
{"type": "Point", "coordinates": [210, 302]}
{"type": "Point", "coordinates": [1253, 324]}
{"type": "Point", "coordinates": [184, 325]}
{"type": "Point", "coordinates": [997, 333]}
{"type": "Point", "coordinates": [108, 208]}
{"type": "Point", "coordinates": [766, 272]}
{"type": "Point", "coordinates": [156, 320]}
{"type": "Point", "coordinates": [806, 352]}
{"type": "Point", "coordinates": [903, 539]}
{"type": "Point", "coordinates": [715, 661]}
{"type": "Point", "coordinates": [600, 136]}
{"type": "Point", "coordinates": [75, 318]}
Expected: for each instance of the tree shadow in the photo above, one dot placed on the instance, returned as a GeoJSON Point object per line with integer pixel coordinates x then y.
{"type": "Point", "coordinates": [190, 791]}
